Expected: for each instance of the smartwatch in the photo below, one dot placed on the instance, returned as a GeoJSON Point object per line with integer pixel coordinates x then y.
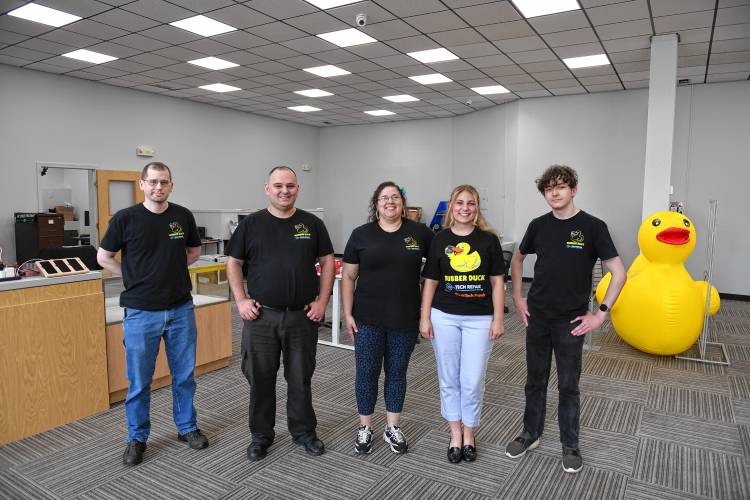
{"type": "Point", "coordinates": [603, 307]}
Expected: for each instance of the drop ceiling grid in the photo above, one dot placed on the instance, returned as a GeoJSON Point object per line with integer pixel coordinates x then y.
{"type": "Point", "coordinates": [276, 39]}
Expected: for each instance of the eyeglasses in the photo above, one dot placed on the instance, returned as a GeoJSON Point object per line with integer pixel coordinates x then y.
{"type": "Point", "coordinates": [386, 199]}
{"type": "Point", "coordinates": [155, 182]}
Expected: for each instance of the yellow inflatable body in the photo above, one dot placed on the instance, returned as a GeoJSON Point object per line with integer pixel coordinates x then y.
{"type": "Point", "coordinates": [660, 308]}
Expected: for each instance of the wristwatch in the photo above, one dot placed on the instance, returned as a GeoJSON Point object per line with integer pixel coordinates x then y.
{"type": "Point", "coordinates": [603, 307]}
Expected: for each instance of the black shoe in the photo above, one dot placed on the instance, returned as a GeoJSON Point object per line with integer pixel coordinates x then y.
{"type": "Point", "coordinates": [195, 439]}
{"type": "Point", "coordinates": [454, 454]}
{"type": "Point", "coordinates": [134, 453]}
{"type": "Point", "coordinates": [256, 451]}
{"type": "Point", "coordinates": [469, 453]}
{"type": "Point", "coordinates": [314, 446]}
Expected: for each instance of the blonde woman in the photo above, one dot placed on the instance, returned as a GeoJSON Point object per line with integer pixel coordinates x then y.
{"type": "Point", "coordinates": [462, 312]}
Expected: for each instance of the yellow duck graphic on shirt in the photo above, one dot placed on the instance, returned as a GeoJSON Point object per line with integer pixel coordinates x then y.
{"type": "Point", "coordinates": [462, 259]}
{"type": "Point", "coordinates": [660, 309]}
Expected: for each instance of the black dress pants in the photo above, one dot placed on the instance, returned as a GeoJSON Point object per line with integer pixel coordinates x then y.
{"type": "Point", "coordinates": [542, 338]}
{"type": "Point", "coordinates": [264, 340]}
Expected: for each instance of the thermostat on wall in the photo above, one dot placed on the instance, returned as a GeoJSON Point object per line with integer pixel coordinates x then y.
{"type": "Point", "coordinates": [144, 151]}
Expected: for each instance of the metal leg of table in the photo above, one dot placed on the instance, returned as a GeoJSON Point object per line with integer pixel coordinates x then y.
{"type": "Point", "coordinates": [336, 318]}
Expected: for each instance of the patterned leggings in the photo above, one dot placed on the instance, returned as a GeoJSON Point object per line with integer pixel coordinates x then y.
{"type": "Point", "coordinates": [375, 347]}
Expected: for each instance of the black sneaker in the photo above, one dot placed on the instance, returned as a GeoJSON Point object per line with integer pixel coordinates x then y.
{"type": "Point", "coordinates": [363, 443]}
{"type": "Point", "coordinates": [395, 439]}
{"type": "Point", "coordinates": [195, 439]}
{"type": "Point", "coordinates": [572, 461]}
{"type": "Point", "coordinates": [519, 446]}
{"type": "Point", "coordinates": [134, 453]}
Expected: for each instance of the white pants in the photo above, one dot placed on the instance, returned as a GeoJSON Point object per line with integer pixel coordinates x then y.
{"type": "Point", "coordinates": [462, 347]}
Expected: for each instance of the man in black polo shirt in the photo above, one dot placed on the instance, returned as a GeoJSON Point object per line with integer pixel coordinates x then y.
{"type": "Point", "coordinates": [282, 308]}
{"type": "Point", "coordinates": [567, 241]}
{"type": "Point", "coordinates": [158, 240]}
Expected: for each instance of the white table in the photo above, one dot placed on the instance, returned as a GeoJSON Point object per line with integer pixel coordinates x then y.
{"type": "Point", "coordinates": [336, 318]}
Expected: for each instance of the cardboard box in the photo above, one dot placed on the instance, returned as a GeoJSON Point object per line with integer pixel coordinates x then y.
{"type": "Point", "coordinates": [67, 212]}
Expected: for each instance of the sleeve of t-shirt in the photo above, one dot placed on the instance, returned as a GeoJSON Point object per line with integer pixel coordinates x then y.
{"type": "Point", "coordinates": [193, 240]}
{"type": "Point", "coordinates": [605, 247]}
{"type": "Point", "coordinates": [428, 237]}
{"type": "Point", "coordinates": [432, 266]}
{"type": "Point", "coordinates": [236, 246]}
{"type": "Point", "coordinates": [112, 241]}
{"type": "Point", "coordinates": [527, 243]}
{"type": "Point", "coordinates": [325, 247]}
{"type": "Point", "coordinates": [351, 252]}
{"type": "Point", "coordinates": [497, 262]}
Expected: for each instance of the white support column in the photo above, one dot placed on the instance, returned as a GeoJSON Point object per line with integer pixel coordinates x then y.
{"type": "Point", "coordinates": [662, 94]}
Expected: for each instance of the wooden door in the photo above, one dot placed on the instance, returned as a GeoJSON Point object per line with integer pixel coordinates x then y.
{"type": "Point", "coordinates": [109, 182]}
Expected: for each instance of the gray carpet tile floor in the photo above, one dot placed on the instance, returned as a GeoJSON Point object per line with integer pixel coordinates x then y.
{"type": "Point", "coordinates": [651, 428]}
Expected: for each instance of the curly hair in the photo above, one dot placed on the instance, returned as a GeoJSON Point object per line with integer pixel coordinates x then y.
{"type": "Point", "coordinates": [557, 174]}
{"type": "Point", "coordinates": [479, 220]}
{"type": "Point", "coordinates": [372, 209]}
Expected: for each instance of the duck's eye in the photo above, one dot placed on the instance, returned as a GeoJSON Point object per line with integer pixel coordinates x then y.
{"type": "Point", "coordinates": [686, 222]}
{"type": "Point", "coordinates": [655, 222]}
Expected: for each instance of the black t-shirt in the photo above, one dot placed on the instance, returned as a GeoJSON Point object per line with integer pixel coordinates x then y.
{"type": "Point", "coordinates": [154, 258]}
{"type": "Point", "coordinates": [387, 292]}
{"type": "Point", "coordinates": [280, 256]}
{"type": "Point", "coordinates": [566, 251]}
{"type": "Point", "coordinates": [463, 265]}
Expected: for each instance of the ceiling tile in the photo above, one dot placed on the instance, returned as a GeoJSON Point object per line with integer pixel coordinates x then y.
{"type": "Point", "coordinates": [26, 54]}
{"type": "Point", "coordinates": [568, 90]}
{"type": "Point", "coordinates": [635, 76]}
{"type": "Point", "coordinates": [627, 44]}
{"type": "Point", "coordinates": [437, 21]}
{"type": "Point", "coordinates": [679, 22]}
{"type": "Point", "coordinates": [347, 13]}
{"type": "Point", "coordinates": [158, 10]}
{"type": "Point", "coordinates": [413, 7]}
{"type": "Point", "coordinates": [389, 30]}
{"type": "Point", "coordinates": [504, 31]}
{"type": "Point", "coordinates": [22, 26]}
{"type": "Point", "coordinates": [123, 19]}
{"type": "Point", "coordinates": [730, 57]}
{"type": "Point", "coordinates": [630, 56]}
{"type": "Point", "coordinates": [154, 60]}
{"type": "Point", "coordinates": [669, 7]}
{"type": "Point", "coordinates": [585, 49]}
{"type": "Point", "coordinates": [734, 15]}
{"type": "Point", "coordinates": [281, 10]}
{"type": "Point", "coordinates": [544, 66]}
{"type": "Point", "coordinates": [337, 56]}
{"type": "Point", "coordinates": [489, 13]}
{"type": "Point", "coordinates": [521, 44]}
{"type": "Point", "coordinates": [370, 50]}
{"type": "Point", "coordinates": [46, 46]}
{"type": "Point", "coordinates": [309, 44]}
{"type": "Point", "coordinates": [274, 51]}
{"type": "Point", "coordinates": [695, 35]}
{"type": "Point", "coordinates": [628, 29]}
{"type": "Point", "coordinates": [731, 31]}
{"type": "Point", "coordinates": [94, 29]}
{"type": "Point", "coordinates": [693, 49]}
{"type": "Point", "coordinates": [619, 12]}
{"type": "Point", "coordinates": [170, 34]}
{"type": "Point", "coordinates": [81, 8]}
{"type": "Point", "coordinates": [552, 75]}
{"type": "Point", "coordinates": [277, 32]}
{"type": "Point", "coordinates": [474, 50]}
{"type": "Point", "coordinates": [144, 44]}
{"type": "Point", "coordinates": [532, 56]}
{"type": "Point", "coordinates": [68, 38]}
{"type": "Point", "coordinates": [505, 70]}
{"type": "Point", "coordinates": [114, 49]}
{"type": "Point", "coordinates": [413, 44]}
{"type": "Point", "coordinates": [240, 39]}
{"type": "Point", "coordinates": [488, 61]}
{"type": "Point", "coordinates": [570, 37]}
{"type": "Point", "coordinates": [731, 45]}
{"type": "Point", "coordinates": [317, 23]}
{"type": "Point", "coordinates": [393, 61]}
{"type": "Point", "coordinates": [563, 21]}
{"type": "Point", "coordinates": [209, 47]}
{"type": "Point", "coordinates": [200, 6]}
{"type": "Point", "coordinates": [453, 38]}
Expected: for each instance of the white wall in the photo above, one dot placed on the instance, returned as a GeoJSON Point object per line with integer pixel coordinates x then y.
{"type": "Point", "coordinates": [219, 157]}
{"type": "Point", "coordinates": [712, 161]}
{"type": "Point", "coordinates": [355, 159]}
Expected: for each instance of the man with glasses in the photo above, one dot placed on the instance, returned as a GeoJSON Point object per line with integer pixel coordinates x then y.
{"type": "Point", "coordinates": [281, 309]}
{"type": "Point", "coordinates": [158, 241]}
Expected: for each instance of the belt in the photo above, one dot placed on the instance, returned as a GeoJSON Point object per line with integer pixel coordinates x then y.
{"type": "Point", "coordinates": [282, 309]}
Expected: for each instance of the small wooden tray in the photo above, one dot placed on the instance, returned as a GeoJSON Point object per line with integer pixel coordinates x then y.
{"type": "Point", "coordinates": [61, 267]}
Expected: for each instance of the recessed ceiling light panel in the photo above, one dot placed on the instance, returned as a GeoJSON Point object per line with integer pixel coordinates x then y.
{"type": "Point", "coordinates": [534, 8]}
{"type": "Point", "coordinates": [89, 56]}
{"type": "Point", "coordinates": [203, 26]}
{"type": "Point", "coordinates": [433, 55]}
{"type": "Point", "coordinates": [313, 93]}
{"type": "Point", "coordinates": [45, 15]}
{"type": "Point", "coordinates": [401, 98]}
{"type": "Point", "coordinates": [490, 89]}
{"type": "Point", "coordinates": [586, 61]}
{"type": "Point", "coordinates": [329, 4]}
{"type": "Point", "coordinates": [327, 71]}
{"type": "Point", "coordinates": [304, 109]}
{"type": "Point", "coordinates": [219, 87]}
{"type": "Point", "coordinates": [213, 63]}
{"type": "Point", "coordinates": [380, 112]}
{"type": "Point", "coordinates": [431, 79]}
{"type": "Point", "coordinates": [347, 38]}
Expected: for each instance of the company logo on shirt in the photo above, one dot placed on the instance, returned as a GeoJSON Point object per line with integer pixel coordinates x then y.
{"type": "Point", "coordinates": [411, 243]}
{"type": "Point", "coordinates": [175, 231]}
{"type": "Point", "coordinates": [301, 232]}
{"type": "Point", "coordinates": [462, 259]}
{"type": "Point", "coordinates": [576, 240]}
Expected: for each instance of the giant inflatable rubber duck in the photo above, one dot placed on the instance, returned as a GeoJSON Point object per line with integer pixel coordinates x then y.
{"type": "Point", "coordinates": [660, 309]}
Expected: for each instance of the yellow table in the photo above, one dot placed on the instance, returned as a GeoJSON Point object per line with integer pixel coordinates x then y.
{"type": "Point", "coordinates": [202, 267]}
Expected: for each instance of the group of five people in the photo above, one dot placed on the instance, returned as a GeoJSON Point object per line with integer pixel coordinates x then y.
{"type": "Point", "coordinates": [390, 295]}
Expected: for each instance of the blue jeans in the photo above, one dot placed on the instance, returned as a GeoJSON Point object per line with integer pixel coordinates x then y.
{"type": "Point", "coordinates": [143, 332]}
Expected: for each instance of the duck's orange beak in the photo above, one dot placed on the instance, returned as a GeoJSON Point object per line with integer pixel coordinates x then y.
{"type": "Point", "coordinates": [674, 236]}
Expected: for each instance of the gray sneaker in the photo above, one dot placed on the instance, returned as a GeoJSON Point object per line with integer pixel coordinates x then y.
{"type": "Point", "coordinates": [363, 443]}
{"type": "Point", "coordinates": [572, 462]}
{"type": "Point", "coordinates": [395, 439]}
{"type": "Point", "coordinates": [519, 446]}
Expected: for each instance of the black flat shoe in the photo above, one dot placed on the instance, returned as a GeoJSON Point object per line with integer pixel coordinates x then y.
{"type": "Point", "coordinates": [256, 451]}
{"type": "Point", "coordinates": [454, 454]}
{"type": "Point", "coordinates": [469, 453]}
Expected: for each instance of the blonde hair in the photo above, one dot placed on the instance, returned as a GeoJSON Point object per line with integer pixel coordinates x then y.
{"type": "Point", "coordinates": [479, 220]}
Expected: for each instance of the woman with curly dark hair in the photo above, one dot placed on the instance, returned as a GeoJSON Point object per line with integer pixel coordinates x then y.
{"type": "Point", "coordinates": [380, 297]}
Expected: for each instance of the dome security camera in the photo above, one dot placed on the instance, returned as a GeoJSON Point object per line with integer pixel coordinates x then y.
{"type": "Point", "coordinates": [360, 20]}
